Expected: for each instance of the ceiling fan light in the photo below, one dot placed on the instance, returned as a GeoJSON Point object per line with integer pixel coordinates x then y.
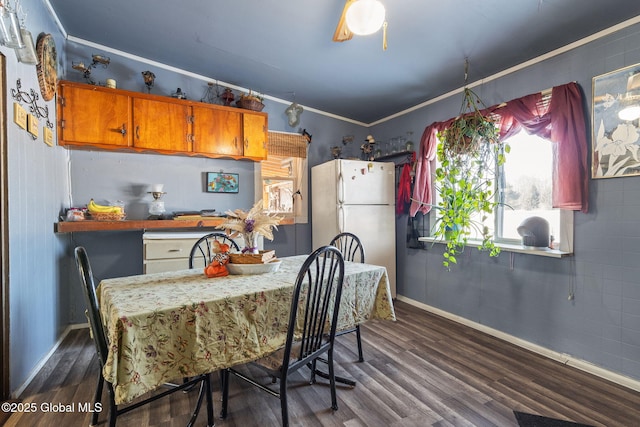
{"type": "Point", "coordinates": [365, 17]}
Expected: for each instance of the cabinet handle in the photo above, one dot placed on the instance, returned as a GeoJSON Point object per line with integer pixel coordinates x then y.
{"type": "Point", "coordinates": [175, 250]}
{"type": "Point", "coordinates": [235, 142]}
{"type": "Point", "coordinates": [246, 143]}
{"type": "Point", "coordinates": [137, 132]}
{"type": "Point", "coordinates": [123, 130]}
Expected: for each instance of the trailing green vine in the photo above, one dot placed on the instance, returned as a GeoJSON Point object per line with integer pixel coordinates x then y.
{"type": "Point", "coordinates": [468, 154]}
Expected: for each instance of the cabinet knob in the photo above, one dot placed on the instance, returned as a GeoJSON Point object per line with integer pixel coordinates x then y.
{"type": "Point", "coordinates": [123, 129]}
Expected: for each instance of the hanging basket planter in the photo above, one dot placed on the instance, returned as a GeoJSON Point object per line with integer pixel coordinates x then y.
{"type": "Point", "coordinates": [469, 130]}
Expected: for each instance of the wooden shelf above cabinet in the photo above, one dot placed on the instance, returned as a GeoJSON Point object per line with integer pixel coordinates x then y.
{"type": "Point", "coordinates": [132, 225]}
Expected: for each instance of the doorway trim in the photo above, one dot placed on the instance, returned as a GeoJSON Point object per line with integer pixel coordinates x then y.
{"type": "Point", "coordinates": [4, 234]}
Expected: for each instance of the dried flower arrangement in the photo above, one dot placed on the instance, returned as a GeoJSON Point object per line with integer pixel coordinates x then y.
{"type": "Point", "coordinates": [250, 225]}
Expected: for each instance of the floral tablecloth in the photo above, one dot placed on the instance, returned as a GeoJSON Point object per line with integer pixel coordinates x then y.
{"type": "Point", "coordinates": [162, 327]}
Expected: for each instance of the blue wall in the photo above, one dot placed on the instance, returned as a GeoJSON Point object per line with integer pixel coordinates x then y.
{"type": "Point", "coordinates": [37, 190]}
{"type": "Point", "coordinates": [530, 301]}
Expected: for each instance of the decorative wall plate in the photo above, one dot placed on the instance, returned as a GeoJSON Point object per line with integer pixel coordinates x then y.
{"type": "Point", "coordinates": [47, 66]}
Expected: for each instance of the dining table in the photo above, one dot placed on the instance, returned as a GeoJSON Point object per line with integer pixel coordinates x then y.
{"type": "Point", "coordinates": [166, 326]}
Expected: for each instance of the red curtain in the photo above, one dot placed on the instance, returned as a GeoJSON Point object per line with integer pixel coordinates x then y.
{"type": "Point", "coordinates": [563, 122]}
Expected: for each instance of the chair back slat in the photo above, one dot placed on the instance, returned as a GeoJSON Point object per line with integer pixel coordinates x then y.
{"type": "Point", "coordinates": [91, 300]}
{"type": "Point", "coordinates": [316, 295]}
{"type": "Point", "coordinates": [350, 246]}
{"type": "Point", "coordinates": [202, 250]}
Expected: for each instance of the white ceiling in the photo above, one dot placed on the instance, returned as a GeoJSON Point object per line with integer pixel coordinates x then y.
{"type": "Point", "coordinates": [284, 48]}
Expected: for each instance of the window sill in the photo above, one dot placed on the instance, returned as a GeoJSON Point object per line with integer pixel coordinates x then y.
{"type": "Point", "coordinates": [553, 253]}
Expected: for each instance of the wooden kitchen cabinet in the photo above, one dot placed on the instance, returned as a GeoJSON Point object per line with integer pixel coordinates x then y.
{"type": "Point", "coordinates": [119, 120]}
{"type": "Point", "coordinates": [254, 126]}
{"type": "Point", "coordinates": [89, 115]}
{"type": "Point", "coordinates": [217, 131]}
{"type": "Point", "coordinates": [161, 125]}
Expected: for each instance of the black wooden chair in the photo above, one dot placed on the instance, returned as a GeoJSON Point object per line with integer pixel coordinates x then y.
{"type": "Point", "coordinates": [316, 296]}
{"type": "Point", "coordinates": [202, 251]}
{"type": "Point", "coordinates": [100, 340]}
{"type": "Point", "coordinates": [352, 250]}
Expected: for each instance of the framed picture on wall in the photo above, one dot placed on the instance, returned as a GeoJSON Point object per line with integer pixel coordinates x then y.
{"type": "Point", "coordinates": [615, 124]}
{"type": "Point", "coordinates": [221, 182]}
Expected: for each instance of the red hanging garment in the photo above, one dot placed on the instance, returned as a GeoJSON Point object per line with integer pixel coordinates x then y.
{"type": "Point", "coordinates": [404, 190]}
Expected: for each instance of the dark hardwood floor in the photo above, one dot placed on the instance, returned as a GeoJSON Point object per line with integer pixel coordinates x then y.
{"type": "Point", "coordinates": [422, 370]}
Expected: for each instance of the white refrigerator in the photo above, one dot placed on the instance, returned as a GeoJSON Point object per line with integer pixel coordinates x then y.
{"type": "Point", "coordinates": [358, 197]}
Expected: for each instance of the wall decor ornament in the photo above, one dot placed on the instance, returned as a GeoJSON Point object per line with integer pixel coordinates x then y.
{"type": "Point", "coordinates": [96, 60]}
{"type": "Point", "coordinates": [221, 182]}
{"type": "Point", "coordinates": [31, 98]}
{"type": "Point", "coordinates": [616, 136]}
{"type": "Point", "coordinates": [47, 66]}
{"type": "Point", "coordinates": [32, 125]}
{"type": "Point", "coordinates": [19, 115]}
{"type": "Point", "coordinates": [293, 112]}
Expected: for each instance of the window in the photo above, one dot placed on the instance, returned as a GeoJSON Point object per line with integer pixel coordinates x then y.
{"type": "Point", "coordinates": [278, 183]}
{"type": "Point", "coordinates": [524, 188]}
{"type": "Point", "coordinates": [282, 179]}
{"type": "Point", "coordinates": [561, 119]}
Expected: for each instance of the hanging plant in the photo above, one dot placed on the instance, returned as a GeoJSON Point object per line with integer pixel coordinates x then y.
{"type": "Point", "coordinates": [468, 153]}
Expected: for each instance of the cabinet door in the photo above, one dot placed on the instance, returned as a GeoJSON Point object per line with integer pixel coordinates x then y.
{"type": "Point", "coordinates": [254, 126]}
{"type": "Point", "coordinates": [90, 115]}
{"type": "Point", "coordinates": [160, 125]}
{"type": "Point", "coordinates": [217, 131]}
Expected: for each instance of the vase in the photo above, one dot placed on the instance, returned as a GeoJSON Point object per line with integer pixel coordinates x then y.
{"type": "Point", "coordinates": [449, 232]}
{"type": "Point", "coordinates": [250, 243]}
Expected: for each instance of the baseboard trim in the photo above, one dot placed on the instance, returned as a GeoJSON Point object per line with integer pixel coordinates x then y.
{"type": "Point", "coordinates": [16, 394]}
{"type": "Point", "coordinates": [551, 354]}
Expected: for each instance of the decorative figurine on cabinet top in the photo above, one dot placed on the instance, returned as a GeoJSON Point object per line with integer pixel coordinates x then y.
{"type": "Point", "coordinates": [149, 79]}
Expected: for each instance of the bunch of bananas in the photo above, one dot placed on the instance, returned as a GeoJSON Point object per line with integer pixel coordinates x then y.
{"type": "Point", "coordinates": [93, 208]}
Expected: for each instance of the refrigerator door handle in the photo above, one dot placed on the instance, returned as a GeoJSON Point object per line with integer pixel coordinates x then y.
{"type": "Point", "coordinates": [340, 188]}
{"type": "Point", "coordinates": [340, 219]}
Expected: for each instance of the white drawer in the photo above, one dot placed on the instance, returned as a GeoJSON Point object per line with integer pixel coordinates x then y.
{"type": "Point", "coordinates": [164, 265]}
{"type": "Point", "coordinates": [170, 248]}
{"type": "Point", "coordinates": [169, 252]}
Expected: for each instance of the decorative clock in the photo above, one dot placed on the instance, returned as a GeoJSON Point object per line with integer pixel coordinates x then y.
{"type": "Point", "coordinates": [47, 63]}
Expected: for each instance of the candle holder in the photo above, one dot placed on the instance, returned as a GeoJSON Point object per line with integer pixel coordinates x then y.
{"type": "Point", "coordinates": [96, 60]}
{"type": "Point", "coordinates": [156, 208]}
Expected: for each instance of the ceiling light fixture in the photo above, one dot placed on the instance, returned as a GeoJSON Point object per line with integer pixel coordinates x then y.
{"type": "Point", "coordinates": [10, 35]}
{"type": "Point", "coordinates": [365, 17]}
